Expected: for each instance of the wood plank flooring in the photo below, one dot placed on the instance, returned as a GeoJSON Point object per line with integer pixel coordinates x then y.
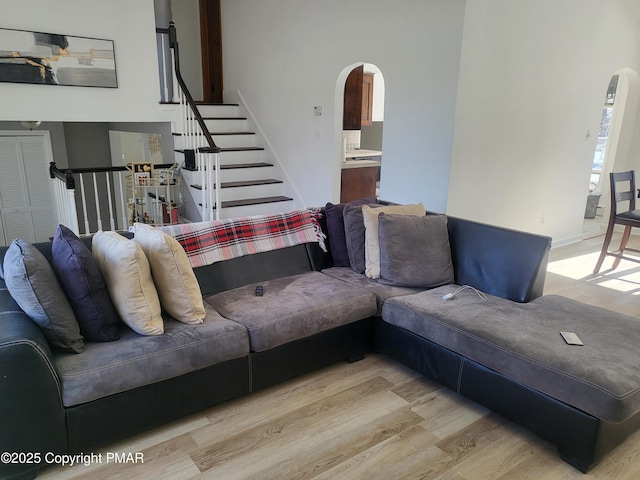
{"type": "Point", "coordinates": [374, 419]}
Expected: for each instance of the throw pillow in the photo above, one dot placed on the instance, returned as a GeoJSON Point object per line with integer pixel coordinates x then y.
{"type": "Point", "coordinates": [414, 251]}
{"type": "Point", "coordinates": [354, 236]}
{"type": "Point", "coordinates": [79, 275]}
{"type": "Point", "coordinates": [370, 218]}
{"type": "Point", "coordinates": [173, 276]}
{"type": "Point", "coordinates": [127, 273]}
{"type": "Point", "coordinates": [336, 231]}
{"type": "Point", "coordinates": [33, 285]}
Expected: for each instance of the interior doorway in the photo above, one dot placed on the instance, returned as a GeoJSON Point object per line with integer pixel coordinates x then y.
{"type": "Point", "coordinates": [26, 202]}
{"type": "Point", "coordinates": [360, 93]}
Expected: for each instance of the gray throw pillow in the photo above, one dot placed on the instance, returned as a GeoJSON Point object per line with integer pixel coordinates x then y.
{"type": "Point", "coordinates": [414, 250]}
{"type": "Point", "coordinates": [354, 234]}
{"type": "Point", "coordinates": [33, 285]}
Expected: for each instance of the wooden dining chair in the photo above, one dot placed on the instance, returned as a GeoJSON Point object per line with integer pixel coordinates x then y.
{"type": "Point", "coordinates": [623, 189]}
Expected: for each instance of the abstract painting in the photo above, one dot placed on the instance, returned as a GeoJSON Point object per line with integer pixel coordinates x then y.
{"type": "Point", "coordinates": [53, 59]}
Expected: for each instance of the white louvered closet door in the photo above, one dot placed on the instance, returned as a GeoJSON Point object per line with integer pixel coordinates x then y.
{"type": "Point", "coordinates": [26, 204]}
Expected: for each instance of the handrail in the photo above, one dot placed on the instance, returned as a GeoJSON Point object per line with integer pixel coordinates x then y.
{"type": "Point", "coordinates": [173, 43]}
{"type": "Point", "coordinates": [67, 175]}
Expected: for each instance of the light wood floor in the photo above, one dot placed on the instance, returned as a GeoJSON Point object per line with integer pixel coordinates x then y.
{"type": "Point", "coordinates": [374, 419]}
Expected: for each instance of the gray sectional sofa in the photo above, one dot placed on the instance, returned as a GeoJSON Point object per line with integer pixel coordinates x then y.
{"type": "Point", "coordinates": [504, 352]}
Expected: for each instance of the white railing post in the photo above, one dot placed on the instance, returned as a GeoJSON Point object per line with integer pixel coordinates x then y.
{"type": "Point", "coordinates": [124, 201]}
{"type": "Point", "coordinates": [216, 165]}
{"type": "Point", "coordinates": [65, 202]}
{"type": "Point", "coordinates": [97, 198]}
{"type": "Point", "coordinates": [72, 214]}
{"type": "Point", "coordinates": [84, 206]}
{"type": "Point", "coordinates": [112, 221]}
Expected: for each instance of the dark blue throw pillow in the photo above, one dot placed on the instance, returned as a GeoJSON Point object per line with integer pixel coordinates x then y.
{"type": "Point", "coordinates": [335, 230]}
{"type": "Point", "coordinates": [78, 273]}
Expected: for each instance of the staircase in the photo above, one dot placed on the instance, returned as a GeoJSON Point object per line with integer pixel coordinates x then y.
{"type": "Point", "coordinates": [247, 181]}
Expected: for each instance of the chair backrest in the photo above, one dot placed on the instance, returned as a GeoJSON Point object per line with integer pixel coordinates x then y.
{"type": "Point", "coordinates": [623, 193]}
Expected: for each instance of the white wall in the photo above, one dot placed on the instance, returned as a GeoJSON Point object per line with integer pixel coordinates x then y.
{"type": "Point", "coordinates": [286, 56]}
{"type": "Point", "coordinates": [533, 77]}
{"type": "Point", "coordinates": [130, 24]}
{"type": "Point", "coordinates": [186, 16]}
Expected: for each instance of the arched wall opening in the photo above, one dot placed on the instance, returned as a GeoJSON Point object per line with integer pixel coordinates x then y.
{"type": "Point", "coordinates": [368, 137]}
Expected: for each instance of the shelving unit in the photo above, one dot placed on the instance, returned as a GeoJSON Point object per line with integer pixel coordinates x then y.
{"type": "Point", "coordinates": [154, 194]}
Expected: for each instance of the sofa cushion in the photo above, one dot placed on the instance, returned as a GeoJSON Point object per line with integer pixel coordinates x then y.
{"type": "Point", "coordinates": [522, 341]}
{"type": "Point", "coordinates": [372, 246]}
{"type": "Point", "coordinates": [381, 291]}
{"type": "Point", "coordinates": [414, 250]}
{"type": "Point", "coordinates": [177, 286]}
{"type": "Point", "coordinates": [33, 285]}
{"type": "Point", "coordinates": [354, 236]}
{"type": "Point", "coordinates": [128, 275]}
{"type": "Point", "coordinates": [79, 275]}
{"type": "Point", "coordinates": [336, 232]}
{"type": "Point", "coordinates": [293, 307]}
{"type": "Point", "coordinates": [134, 361]}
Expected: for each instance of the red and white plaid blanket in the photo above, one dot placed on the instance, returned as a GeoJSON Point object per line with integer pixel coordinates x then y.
{"type": "Point", "coordinates": [210, 242]}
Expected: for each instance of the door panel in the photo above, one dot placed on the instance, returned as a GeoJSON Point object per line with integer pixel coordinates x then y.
{"type": "Point", "coordinates": [26, 204]}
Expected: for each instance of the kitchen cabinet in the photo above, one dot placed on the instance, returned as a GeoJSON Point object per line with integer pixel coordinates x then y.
{"type": "Point", "coordinates": [359, 181]}
{"type": "Point", "coordinates": [367, 99]}
{"type": "Point", "coordinates": [352, 117]}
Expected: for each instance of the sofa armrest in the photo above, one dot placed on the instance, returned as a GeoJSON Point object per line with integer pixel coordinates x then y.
{"type": "Point", "coordinates": [31, 411]}
{"type": "Point", "coordinates": [499, 261]}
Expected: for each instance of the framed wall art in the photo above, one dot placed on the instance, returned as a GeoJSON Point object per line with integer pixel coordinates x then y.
{"type": "Point", "coordinates": [54, 59]}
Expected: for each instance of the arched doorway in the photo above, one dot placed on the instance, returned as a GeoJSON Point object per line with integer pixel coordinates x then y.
{"type": "Point", "coordinates": [359, 119]}
{"type": "Point", "coordinates": [612, 147]}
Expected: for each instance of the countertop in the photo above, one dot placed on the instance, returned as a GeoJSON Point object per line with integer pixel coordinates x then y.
{"type": "Point", "coordinates": [359, 153]}
{"type": "Point", "coordinates": [360, 158]}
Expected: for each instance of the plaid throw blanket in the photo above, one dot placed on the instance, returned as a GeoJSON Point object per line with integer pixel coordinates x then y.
{"type": "Point", "coordinates": [210, 242]}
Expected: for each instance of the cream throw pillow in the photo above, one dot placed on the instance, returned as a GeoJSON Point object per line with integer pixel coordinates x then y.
{"type": "Point", "coordinates": [372, 244]}
{"type": "Point", "coordinates": [126, 271]}
{"type": "Point", "coordinates": [177, 285]}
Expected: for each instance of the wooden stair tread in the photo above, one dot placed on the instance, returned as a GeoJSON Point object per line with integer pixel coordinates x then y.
{"type": "Point", "coordinates": [241, 149]}
{"type": "Point", "coordinates": [246, 183]}
{"type": "Point", "coordinates": [254, 201]}
{"type": "Point", "coordinates": [232, 133]}
{"type": "Point", "coordinates": [228, 149]}
{"type": "Point", "coordinates": [224, 118]}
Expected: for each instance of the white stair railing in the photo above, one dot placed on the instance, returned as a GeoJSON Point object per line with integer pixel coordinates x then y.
{"type": "Point", "coordinates": [64, 198]}
{"type": "Point", "coordinates": [197, 138]}
{"type": "Point", "coordinates": [113, 180]}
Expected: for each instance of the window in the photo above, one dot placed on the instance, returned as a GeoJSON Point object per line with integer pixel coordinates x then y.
{"type": "Point", "coordinates": [603, 136]}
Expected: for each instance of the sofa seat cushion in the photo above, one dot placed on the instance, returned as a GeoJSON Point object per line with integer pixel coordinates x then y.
{"type": "Point", "coordinates": [136, 360]}
{"type": "Point", "coordinates": [293, 307]}
{"type": "Point", "coordinates": [522, 341]}
{"type": "Point", "coordinates": [382, 292]}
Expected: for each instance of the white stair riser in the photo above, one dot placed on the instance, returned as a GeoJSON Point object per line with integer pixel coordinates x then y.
{"type": "Point", "coordinates": [235, 140]}
{"type": "Point", "coordinates": [219, 110]}
{"type": "Point", "coordinates": [231, 175]}
{"type": "Point", "coordinates": [245, 174]}
{"type": "Point", "coordinates": [253, 191]}
{"type": "Point", "coordinates": [222, 125]}
{"type": "Point", "coordinates": [242, 156]}
{"type": "Point", "coordinates": [259, 209]}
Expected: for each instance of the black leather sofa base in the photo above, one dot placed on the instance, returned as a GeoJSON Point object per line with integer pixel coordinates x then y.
{"type": "Point", "coordinates": [581, 439]}
{"type": "Point", "coordinates": [92, 424]}
{"type": "Point", "coordinates": [349, 342]}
